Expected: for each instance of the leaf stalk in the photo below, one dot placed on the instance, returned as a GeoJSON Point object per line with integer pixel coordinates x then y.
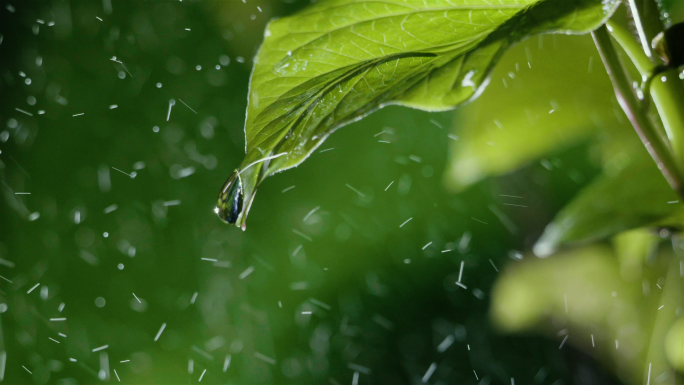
{"type": "Point", "coordinates": [662, 84]}
{"type": "Point", "coordinates": [644, 127]}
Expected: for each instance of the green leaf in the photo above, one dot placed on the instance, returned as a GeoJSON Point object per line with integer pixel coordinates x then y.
{"type": "Point", "coordinates": [518, 304]}
{"type": "Point", "coordinates": [674, 345]}
{"type": "Point", "coordinates": [339, 60]}
{"type": "Point", "coordinates": [664, 349]}
{"type": "Point", "coordinates": [582, 279]}
{"type": "Point", "coordinates": [672, 11]}
{"type": "Point", "coordinates": [633, 248]}
{"type": "Point", "coordinates": [533, 107]}
{"type": "Point", "coordinates": [579, 288]}
{"type": "Point", "coordinates": [634, 196]}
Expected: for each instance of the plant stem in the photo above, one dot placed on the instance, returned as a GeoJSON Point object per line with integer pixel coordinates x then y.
{"type": "Point", "coordinates": [668, 96]}
{"type": "Point", "coordinates": [666, 89]}
{"type": "Point", "coordinates": [628, 101]}
{"type": "Point", "coordinates": [624, 37]}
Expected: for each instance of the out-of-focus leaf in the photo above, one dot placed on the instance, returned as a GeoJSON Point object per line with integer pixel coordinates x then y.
{"type": "Point", "coordinates": [575, 292]}
{"type": "Point", "coordinates": [674, 345]}
{"type": "Point", "coordinates": [518, 304]}
{"type": "Point", "coordinates": [633, 248]}
{"type": "Point", "coordinates": [635, 196]}
{"type": "Point", "coordinates": [662, 352]}
{"type": "Point", "coordinates": [341, 59]}
{"type": "Point", "coordinates": [671, 11]}
{"type": "Point", "coordinates": [533, 107]}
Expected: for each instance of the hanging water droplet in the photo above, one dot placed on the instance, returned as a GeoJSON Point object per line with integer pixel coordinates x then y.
{"type": "Point", "coordinates": [230, 199]}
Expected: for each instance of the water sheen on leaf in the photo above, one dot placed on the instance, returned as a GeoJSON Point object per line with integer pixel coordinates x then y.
{"type": "Point", "coordinates": [339, 60]}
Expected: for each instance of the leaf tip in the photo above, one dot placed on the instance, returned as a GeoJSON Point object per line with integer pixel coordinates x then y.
{"type": "Point", "coordinates": [543, 249]}
{"type": "Point", "coordinates": [230, 202]}
{"type": "Point", "coordinates": [549, 241]}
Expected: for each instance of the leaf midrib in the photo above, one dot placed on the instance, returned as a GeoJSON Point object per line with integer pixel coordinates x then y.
{"type": "Point", "coordinates": [351, 26]}
{"type": "Point", "coordinates": [305, 105]}
{"type": "Point", "coordinates": [443, 49]}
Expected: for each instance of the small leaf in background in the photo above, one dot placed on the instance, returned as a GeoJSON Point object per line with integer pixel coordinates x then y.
{"type": "Point", "coordinates": [636, 196]}
{"type": "Point", "coordinates": [580, 293]}
{"type": "Point", "coordinates": [547, 93]}
{"type": "Point", "coordinates": [518, 304]}
{"type": "Point", "coordinates": [633, 248]}
{"type": "Point", "coordinates": [674, 345]}
{"type": "Point", "coordinates": [665, 346]}
{"type": "Point", "coordinates": [337, 61]}
{"type": "Point", "coordinates": [671, 11]}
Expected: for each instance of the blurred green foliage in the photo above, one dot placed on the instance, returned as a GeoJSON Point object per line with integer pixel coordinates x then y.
{"type": "Point", "coordinates": [548, 93]}
{"type": "Point", "coordinates": [356, 293]}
